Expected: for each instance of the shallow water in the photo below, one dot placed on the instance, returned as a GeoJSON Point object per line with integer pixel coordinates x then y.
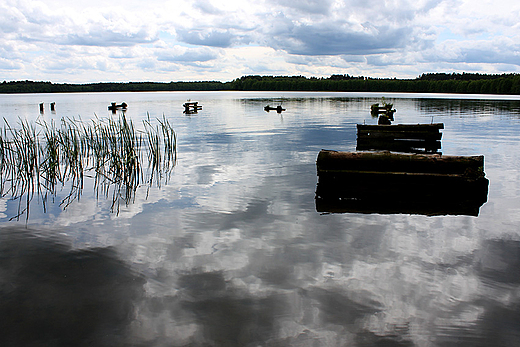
{"type": "Point", "coordinates": [231, 251]}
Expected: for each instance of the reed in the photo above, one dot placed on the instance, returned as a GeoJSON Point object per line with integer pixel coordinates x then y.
{"type": "Point", "coordinates": [39, 159]}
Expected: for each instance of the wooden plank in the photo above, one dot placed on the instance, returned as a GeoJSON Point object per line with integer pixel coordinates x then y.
{"type": "Point", "coordinates": [427, 135]}
{"type": "Point", "coordinates": [404, 146]}
{"type": "Point", "coordinates": [400, 127]}
{"type": "Point", "coordinates": [405, 142]}
{"type": "Point", "coordinates": [468, 166]}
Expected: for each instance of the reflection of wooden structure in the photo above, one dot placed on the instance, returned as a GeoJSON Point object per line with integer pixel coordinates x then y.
{"type": "Point", "coordinates": [278, 108]}
{"type": "Point", "coordinates": [385, 113]}
{"type": "Point", "coordinates": [385, 182]}
{"type": "Point", "coordinates": [386, 109]}
{"type": "Point", "coordinates": [113, 107]}
{"type": "Point", "coordinates": [191, 107]}
{"type": "Point", "coordinates": [375, 109]}
{"type": "Point", "coordinates": [400, 137]}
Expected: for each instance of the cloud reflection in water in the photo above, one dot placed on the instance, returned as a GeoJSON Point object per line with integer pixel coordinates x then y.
{"type": "Point", "coordinates": [55, 295]}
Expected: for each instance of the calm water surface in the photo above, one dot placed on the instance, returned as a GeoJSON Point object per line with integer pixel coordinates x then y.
{"type": "Point", "coordinates": [231, 252]}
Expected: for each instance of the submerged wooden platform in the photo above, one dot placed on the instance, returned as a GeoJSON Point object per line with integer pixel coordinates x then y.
{"type": "Point", "coordinates": [386, 182]}
{"type": "Point", "coordinates": [414, 138]}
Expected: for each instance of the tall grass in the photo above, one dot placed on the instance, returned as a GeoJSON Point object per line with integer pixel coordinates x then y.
{"type": "Point", "coordinates": [42, 158]}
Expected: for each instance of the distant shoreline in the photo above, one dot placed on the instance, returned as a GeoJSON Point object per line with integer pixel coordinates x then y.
{"type": "Point", "coordinates": [465, 83]}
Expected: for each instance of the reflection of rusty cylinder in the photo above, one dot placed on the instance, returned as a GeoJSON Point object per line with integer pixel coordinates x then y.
{"type": "Point", "coordinates": [41, 107]}
{"type": "Point", "coordinates": [52, 106]}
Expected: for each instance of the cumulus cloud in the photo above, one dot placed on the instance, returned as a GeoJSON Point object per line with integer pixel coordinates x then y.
{"type": "Point", "coordinates": [208, 37]}
{"type": "Point", "coordinates": [322, 7]}
{"type": "Point", "coordinates": [206, 7]}
{"type": "Point", "coordinates": [187, 55]}
{"type": "Point", "coordinates": [499, 51]}
{"type": "Point", "coordinates": [38, 23]}
{"type": "Point", "coordinates": [107, 38]}
{"type": "Point", "coordinates": [328, 40]}
{"type": "Point", "coordinates": [308, 36]}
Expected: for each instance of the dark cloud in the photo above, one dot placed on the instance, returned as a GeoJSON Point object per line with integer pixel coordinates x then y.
{"type": "Point", "coordinates": [206, 7]}
{"type": "Point", "coordinates": [479, 52]}
{"type": "Point", "coordinates": [54, 295]}
{"type": "Point", "coordinates": [106, 38]}
{"type": "Point", "coordinates": [307, 6]}
{"type": "Point", "coordinates": [190, 55]}
{"type": "Point", "coordinates": [331, 39]}
{"type": "Point", "coordinates": [210, 37]}
{"type": "Point", "coordinates": [491, 55]}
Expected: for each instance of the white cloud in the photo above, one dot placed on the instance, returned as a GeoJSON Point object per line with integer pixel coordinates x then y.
{"type": "Point", "coordinates": [227, 39]}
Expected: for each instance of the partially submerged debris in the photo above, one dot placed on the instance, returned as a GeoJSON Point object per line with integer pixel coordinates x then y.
{"type": "Point", "coordinates": [386, 182]}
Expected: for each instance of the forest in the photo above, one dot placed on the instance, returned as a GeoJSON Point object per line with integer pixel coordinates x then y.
{"type": "Point", "coordinates": [463, 83]}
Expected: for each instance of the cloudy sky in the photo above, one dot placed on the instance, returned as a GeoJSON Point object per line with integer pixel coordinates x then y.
{"type": "Point", "coordinates": [195, 40]}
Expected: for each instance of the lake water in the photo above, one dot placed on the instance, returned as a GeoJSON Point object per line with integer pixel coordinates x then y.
{"type": "Point", "coordinates": [231, 251]}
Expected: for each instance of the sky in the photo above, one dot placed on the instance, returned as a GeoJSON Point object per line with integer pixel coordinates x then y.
{"type": "Point", "coordinates": [65, 41]}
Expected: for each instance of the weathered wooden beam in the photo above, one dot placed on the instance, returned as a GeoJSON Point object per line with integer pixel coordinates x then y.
{"type": "Point", "coordinates": [333, 161]}
{"type": "Point", "coordinates": [401, 127]}
{"type": "Point", "coordinates": [400, 137]}
{"type": "Point", "coordinates": [406, 146]}
{"type": "Point", "coordinates": [386, 182]}
{"type": "Point", "coordinates": [396, 134]}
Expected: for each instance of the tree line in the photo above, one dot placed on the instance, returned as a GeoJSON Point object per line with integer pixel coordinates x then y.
{"type": "Point", "coordinates": [465, 83]}
{"type": "Point", "coordinates": [48, 87]}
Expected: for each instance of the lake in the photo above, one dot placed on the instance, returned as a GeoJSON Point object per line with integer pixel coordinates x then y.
{"type": "Point", "coordinates": [231, 251]}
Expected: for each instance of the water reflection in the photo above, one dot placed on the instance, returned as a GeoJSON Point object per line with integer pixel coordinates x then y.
{"type": "Point", "coordinates": [232, 252]}
{"type": "Point", "coordinates": [470, 107]}
{"type": "Point", "coordinates": [38, 159]}
{"type": "Point", "coordinates": [226, 315]}
{"type": "Point", "coordinates": [497, 322]}
{"type": "Point", "coordinates": [52, 294]}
